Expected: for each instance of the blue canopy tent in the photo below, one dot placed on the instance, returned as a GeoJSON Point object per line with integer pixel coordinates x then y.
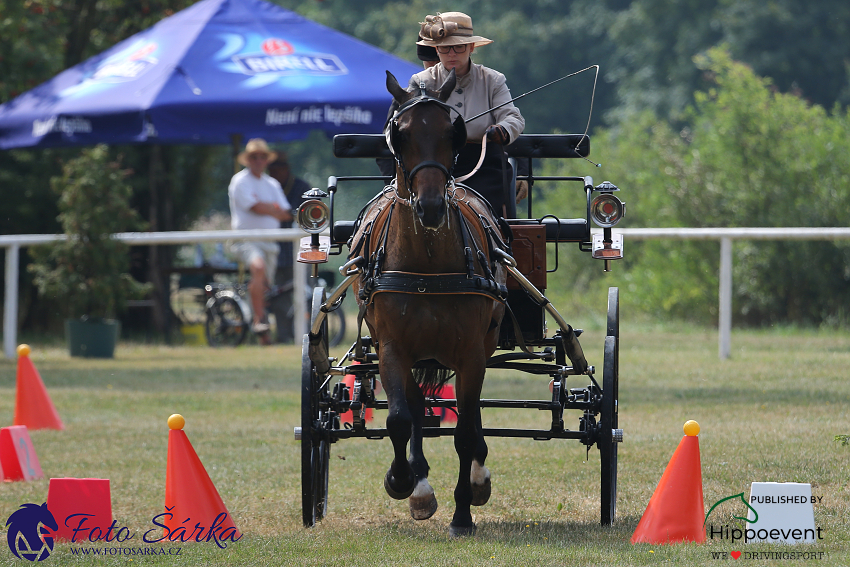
{"type": "Point", "coordinates": [214, 70]}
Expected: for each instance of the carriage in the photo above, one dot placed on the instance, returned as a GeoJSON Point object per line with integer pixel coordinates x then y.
{"type": "Point", "coordinates": [522, 343]}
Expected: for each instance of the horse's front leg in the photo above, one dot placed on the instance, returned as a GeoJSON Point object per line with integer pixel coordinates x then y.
{"type": "Point", "coordinates": [423, 502]}
{"type": "Point", "coordinates": [471, 451]}
{"type": "Point", "coordinates": [399, 481]}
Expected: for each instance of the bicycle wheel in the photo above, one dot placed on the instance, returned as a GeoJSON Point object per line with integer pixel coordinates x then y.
{"type": "Point", "coordinates": [226, 323]}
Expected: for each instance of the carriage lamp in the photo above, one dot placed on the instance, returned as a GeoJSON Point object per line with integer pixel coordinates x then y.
{"type": "Point", "coordinates": [313, 217]}
{"type": "Point", "coordinates": [607, 210]}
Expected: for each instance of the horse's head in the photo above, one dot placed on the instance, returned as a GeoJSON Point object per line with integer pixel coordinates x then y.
{"type": "Point", "coordinates": [425, 141]}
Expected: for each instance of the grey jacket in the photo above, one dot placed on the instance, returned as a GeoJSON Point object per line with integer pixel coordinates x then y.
{"type": "Point", "coordinates": [477, 91]}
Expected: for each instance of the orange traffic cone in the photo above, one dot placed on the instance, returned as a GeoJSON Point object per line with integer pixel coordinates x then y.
{"type": "Point", "coordinates": [193, 509]}
{"type": "Point", "coordinates": [348, 417]}
{"type": "Point", "coordinates": [447, 415]}
{"type": "Point", "coordinates": [33, 406]}
{"type": "Point", "coordinates": [676, 511]}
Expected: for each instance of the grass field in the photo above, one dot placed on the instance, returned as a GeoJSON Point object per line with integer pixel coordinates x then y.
{"type": "Point", "coordinates": [768, 414]}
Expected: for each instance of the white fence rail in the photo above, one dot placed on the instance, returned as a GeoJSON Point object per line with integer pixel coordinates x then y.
{"type": "Point", "coordinates": [13, 244]}
{"type": "Point", "coordinates": [725, 236]}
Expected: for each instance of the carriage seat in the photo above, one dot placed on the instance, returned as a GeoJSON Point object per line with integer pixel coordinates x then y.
{"type": "Point", "coordinates": [526, 146]}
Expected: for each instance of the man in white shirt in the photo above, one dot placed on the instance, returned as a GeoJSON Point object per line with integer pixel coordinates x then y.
{"type": "Point", "coordinates": [257, 201]}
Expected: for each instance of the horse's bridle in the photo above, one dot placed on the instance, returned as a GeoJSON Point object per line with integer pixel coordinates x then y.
{"type": "Point", "coordinates": [391, 134]}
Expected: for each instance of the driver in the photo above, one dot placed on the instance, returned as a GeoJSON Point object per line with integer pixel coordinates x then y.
{"type": "Point", "coordinates": [478, 89]}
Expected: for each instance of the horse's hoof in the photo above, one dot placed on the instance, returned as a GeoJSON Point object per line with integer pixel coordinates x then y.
{"type": "Point", "coordinates": [461, 531]}
{"type": "Point", "coordinates": [480, 493]}
{"type": "Point", "coordinates": [397, 494]}
{"type": "Point", "coordinates": [422, 507]}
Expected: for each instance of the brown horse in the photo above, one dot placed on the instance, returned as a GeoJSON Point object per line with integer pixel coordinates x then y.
{"type": "Point", "coordinates": [432, 297]}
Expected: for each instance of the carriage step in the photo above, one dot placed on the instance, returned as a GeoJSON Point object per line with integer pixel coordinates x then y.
{"type": "Point", "coordinates": [617, 435]}
{"type": "Point", "coordinates": [298, 434]}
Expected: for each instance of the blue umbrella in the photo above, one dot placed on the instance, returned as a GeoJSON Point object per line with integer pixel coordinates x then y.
{"type": "Point", "coordinates": [215, 69]}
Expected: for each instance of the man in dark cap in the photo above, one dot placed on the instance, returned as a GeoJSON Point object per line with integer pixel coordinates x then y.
{"type": "Point", "coordinates": [293, 188]}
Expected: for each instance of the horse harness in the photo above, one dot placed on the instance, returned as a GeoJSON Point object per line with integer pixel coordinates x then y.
{"type": "Point", "coordinates": [372, 246]}
{"type": "Point", "coordinates": [391, 133]}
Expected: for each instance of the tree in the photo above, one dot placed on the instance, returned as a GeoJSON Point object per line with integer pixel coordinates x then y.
{"type": "Point", "coordinates": [747, 156]}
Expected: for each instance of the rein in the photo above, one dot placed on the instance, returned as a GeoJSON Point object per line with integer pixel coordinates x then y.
{"type": "Point", "coordinates": [475, 169]}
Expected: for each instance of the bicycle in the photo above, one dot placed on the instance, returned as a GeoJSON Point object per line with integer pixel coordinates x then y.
{"type": "Point", "coordinates": [228, 312]}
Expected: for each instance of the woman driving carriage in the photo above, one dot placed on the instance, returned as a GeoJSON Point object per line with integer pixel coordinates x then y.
{"type": "Point", "coordinates": [478, 89]}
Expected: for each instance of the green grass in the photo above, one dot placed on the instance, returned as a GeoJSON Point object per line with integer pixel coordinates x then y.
{"type": "Point", "coordinates": [768, 414]}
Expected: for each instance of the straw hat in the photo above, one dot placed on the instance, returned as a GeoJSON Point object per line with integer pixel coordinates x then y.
{"type": "Point", "coordinates": [449, 28]}
{"type": "Point", "coordinates": [256, 146]}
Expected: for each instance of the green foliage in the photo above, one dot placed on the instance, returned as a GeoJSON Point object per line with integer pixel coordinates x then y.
{"type": "Point", "coordinates": [87, 272]}
{"type": "Point", "coordinates": [748, 156]}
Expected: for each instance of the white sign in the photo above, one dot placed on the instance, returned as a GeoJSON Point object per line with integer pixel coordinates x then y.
{"type": "Point", "coordinates": [783, 513]}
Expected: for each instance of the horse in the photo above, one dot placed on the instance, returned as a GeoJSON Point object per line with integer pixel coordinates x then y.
{"type": "Point", "coordinates": [432, 296]}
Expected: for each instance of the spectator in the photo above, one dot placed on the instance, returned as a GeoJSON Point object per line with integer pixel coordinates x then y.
{"type": "Point", "coordinates": [293, 188]}
{"type": "Point", "coordinates": [257, 201]}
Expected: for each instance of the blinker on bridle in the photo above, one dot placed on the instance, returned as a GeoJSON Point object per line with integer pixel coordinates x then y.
{"type": "Point", "coordinates": [392, 129]}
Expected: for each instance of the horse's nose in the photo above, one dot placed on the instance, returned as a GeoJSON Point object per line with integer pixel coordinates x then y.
{"type": "Point", "coordinates": [431, 212]}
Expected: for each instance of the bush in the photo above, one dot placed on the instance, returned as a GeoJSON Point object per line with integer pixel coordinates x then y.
{"type": "Point", "coordinates": [88, 272]}
{"type": "Point", "coordinates": [748, 156]}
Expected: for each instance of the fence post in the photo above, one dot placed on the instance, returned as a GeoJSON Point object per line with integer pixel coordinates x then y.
{"type": "Point", "coordinates": [725, 323]}
{"type": "Point", "coordinates": [299, 293]}
{"type": "Point", "coordinates": [10, 301]}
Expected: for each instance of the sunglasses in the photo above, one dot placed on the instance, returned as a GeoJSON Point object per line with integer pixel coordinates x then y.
{"type": "Point", "coordinates": [255, 157]}
{"type": "Point", "coordinates": [456, 48]}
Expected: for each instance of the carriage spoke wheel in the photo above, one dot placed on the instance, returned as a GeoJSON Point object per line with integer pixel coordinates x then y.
{"type": "Point", "coordinates": [608, 420]}
{"type": "Point", "coordinates": [315, 447]}
{"type": "Point", "coordinates": [319, 297]}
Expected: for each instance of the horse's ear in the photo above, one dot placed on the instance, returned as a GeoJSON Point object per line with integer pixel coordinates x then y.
{"type": "Point", "coordinates": [395, 89]}
{"type": "Point", "coordinates": [448, 86]}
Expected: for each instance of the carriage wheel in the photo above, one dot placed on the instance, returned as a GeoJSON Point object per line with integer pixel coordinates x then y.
{"type": "Point", "coordinates": [315, 451]}
{"type": "Point", "coordinates": [614, 312]}
{"type": "Point", "coordinates": [225, 324]}
{"type": "Point", "coordinates": [319, 297]}
{"type": "Point", "coordinates": [608, 419]}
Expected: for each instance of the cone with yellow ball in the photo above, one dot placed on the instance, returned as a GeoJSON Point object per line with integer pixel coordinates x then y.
{"type": "Point", "coordinates": [191, 495]}
{"type": "Point", "coordinates": [33, 407]}
{"type": "Point", "coordinates": [676, 510]}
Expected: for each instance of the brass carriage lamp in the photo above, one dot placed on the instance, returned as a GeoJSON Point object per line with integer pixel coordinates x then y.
{"type": "Point", "coordinates": [314, 217]}
{"type": "Point", "coordinates": [606, 210]}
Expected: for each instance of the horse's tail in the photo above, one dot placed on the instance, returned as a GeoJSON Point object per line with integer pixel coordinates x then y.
{"type": "Point", "coordinates": [431, 375]}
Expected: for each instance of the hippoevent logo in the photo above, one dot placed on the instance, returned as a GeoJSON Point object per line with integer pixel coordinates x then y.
{"type": "Point", "coordinates": [279, 57]}
{"type": "Point", "coordinates": [734, 534]}
{"type": "Point", "coordinates": [32, 528]}
{"type": "Point", "coordinates": [28, 532]}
